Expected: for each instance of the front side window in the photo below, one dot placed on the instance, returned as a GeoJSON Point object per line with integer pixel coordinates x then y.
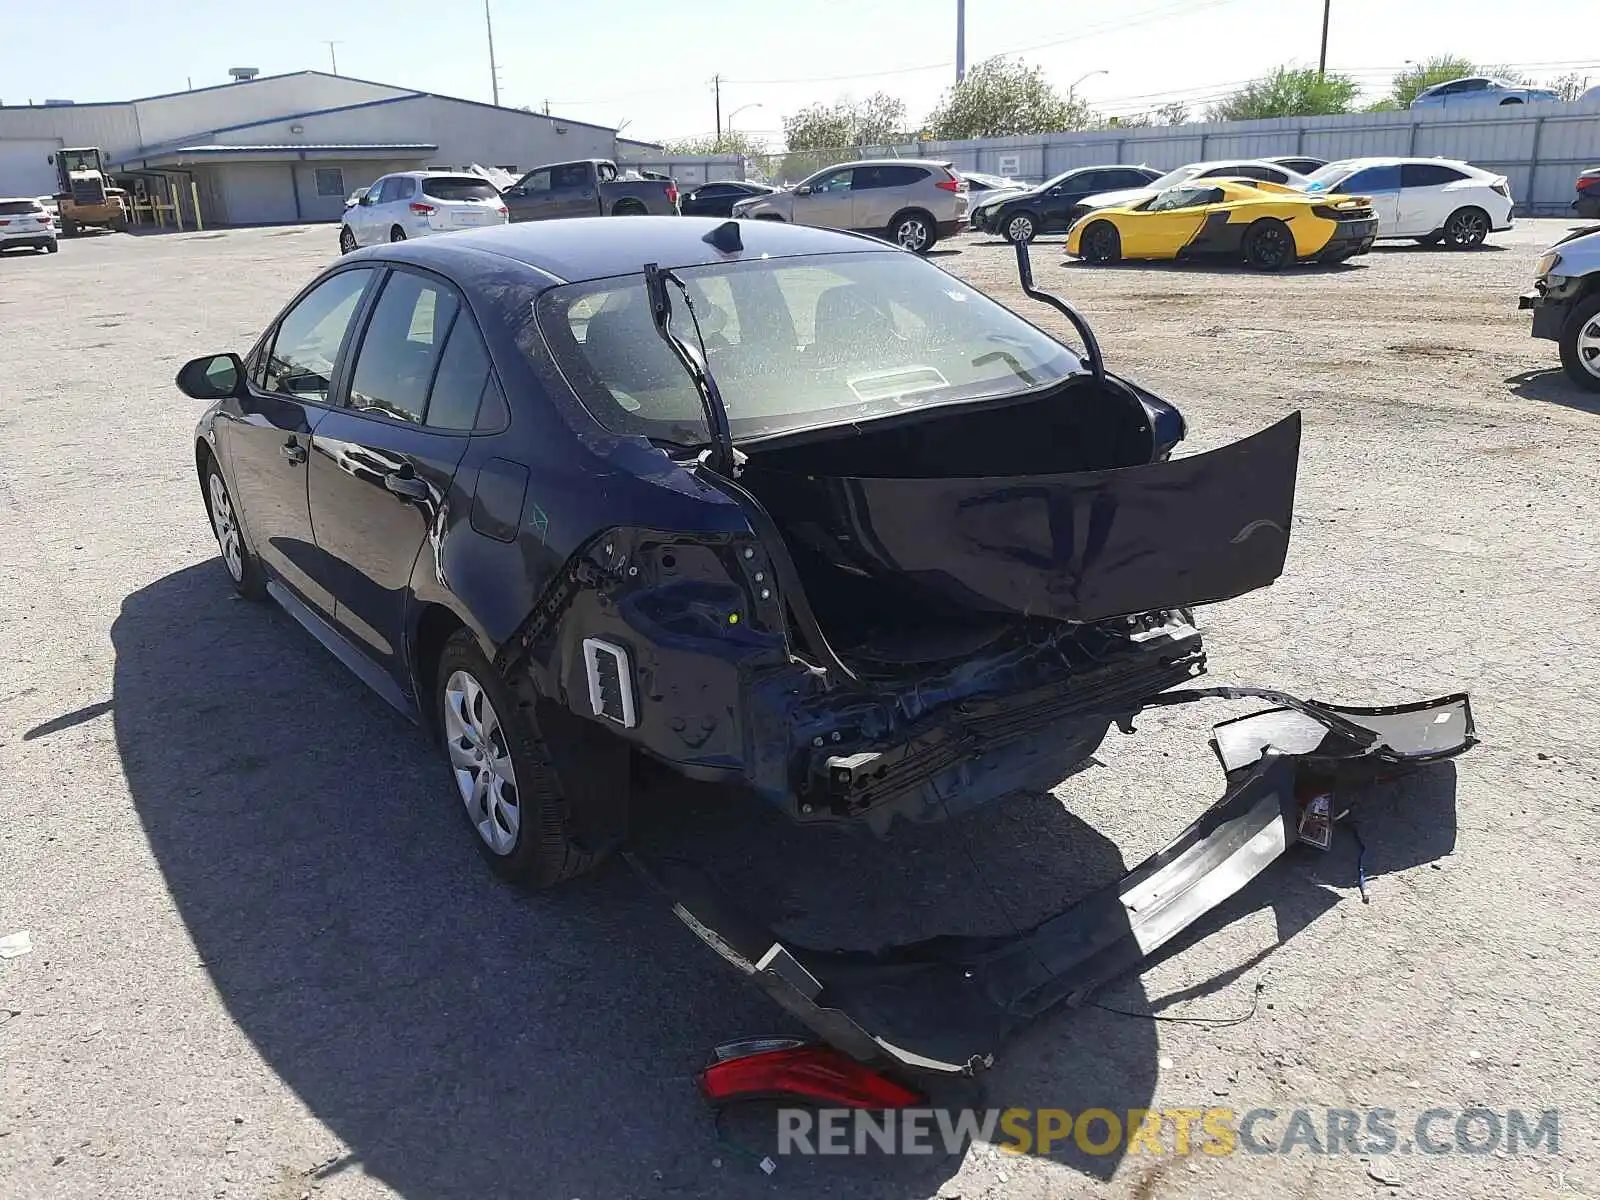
{"type": "Point", "coordinates": [538, 181]}
{"type": "Point", "coordinates": [795, 343]}
{"type": "Point", "coordinates": [330, 182]}
{"type": "Point", "coordinates": [1373, 179]}
{"type": "Point", "coordinates": [1184, 197]}
{"type": "Point", "coordinates": [834, 183]}
{"type": "Point", "coordinates": [307, 343]}
{"type": "Point", "coordinates": [395, 363]}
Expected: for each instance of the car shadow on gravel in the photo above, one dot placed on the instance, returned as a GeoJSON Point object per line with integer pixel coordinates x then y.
{"type": "Point", "coordinates": [1552, 386]}
{"type": "Point", "coordinates": [464, 1039]}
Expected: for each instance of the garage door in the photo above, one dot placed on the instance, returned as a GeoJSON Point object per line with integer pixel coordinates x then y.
{"type": "Point", "coordinates": [25, 168]}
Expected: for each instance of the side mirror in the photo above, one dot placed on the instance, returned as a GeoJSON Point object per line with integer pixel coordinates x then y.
{"type": "Point", "coordinates": [365, 201]}
{"type": "Point", "coordinates": [214, 377]}
{"type": "Point", "coordinates": [515, 191]}
{"type": "Point", "coordinates": [803, 190]}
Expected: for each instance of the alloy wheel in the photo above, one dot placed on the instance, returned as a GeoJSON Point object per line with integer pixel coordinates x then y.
{"type": "Point", "coordinates": [1467, 229]}
{"type": "Point", "coordinates": [1269, 246]}
{"type": "Point", "coordinates": [347, 240]}
{"type": "Point", "coordinates": [226, 526]}
{"type": "Point", "coordinates": [912, 233]}
{"type": "Point", "coordinates": [481, 762]}
{"type": "Point", "coordinates": [1020, 229]}
{"type": "Point", "coordinates": [1589, 345]}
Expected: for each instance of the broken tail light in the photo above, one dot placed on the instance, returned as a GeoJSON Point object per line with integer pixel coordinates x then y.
{"type": "Point", "coordinates": [786, 1068]}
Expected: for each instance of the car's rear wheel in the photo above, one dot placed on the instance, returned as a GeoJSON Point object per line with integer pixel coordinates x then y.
{"type": "Point", "coordinates": [241, 565]}
{"type": "Point", "coordinates": [51, 246]}
{"type": "Point", "coordinates": [914, 231]}
{"type": "Point", "coordinates": [396, 234]}
{"type": "Point", "coordinates": [502, 771]}
{"type": "Point", "coordinates": [1466, 228]}
{"type": "Point", "coordinates": [1268, 245]}
{"type": "Point", "coordinates": [1580, 344]}
{"type": "Point", "coordinates": [628, 208]}
{"type": "Point", "coordinates": [347, 240]}
{"type": "Point", "coordinates": [1021, 227]}
{"type": "Point", "coordinates": [1100, 244]}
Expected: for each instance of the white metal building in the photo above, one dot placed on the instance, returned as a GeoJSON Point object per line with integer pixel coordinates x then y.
{"type": "Point", "coordinates": [285, 148]}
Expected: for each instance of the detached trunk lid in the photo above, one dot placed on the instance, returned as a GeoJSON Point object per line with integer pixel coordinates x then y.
{"type": "Point", "coordinates": [1081, 546]}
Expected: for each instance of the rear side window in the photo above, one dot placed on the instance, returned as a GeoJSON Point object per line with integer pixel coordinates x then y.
{"type": "Point", "coordinates": [888, 177]}
{"type": "Point", "coordinates": [401, 187]}
{"type": "Point", "coordinates": [465, 188]}
{"type": "Point", "coordinates": [463, 374]}
{"type": "Point", "coordinates": [402, 343]}
{"type": "Point", "coordinates": [1427, 175]}
{"type": "Point", "coordinates": [17, 208]}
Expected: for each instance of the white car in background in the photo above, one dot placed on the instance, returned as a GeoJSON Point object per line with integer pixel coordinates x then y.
{"type": "Point", "coordinates": [1429, 200]}
{"type": "Point", "coordinates": [413, 204]}
{"type": "Point", "coordinates": [24, 222]}
{"type": "Point", "coordinates": [1230, 168]}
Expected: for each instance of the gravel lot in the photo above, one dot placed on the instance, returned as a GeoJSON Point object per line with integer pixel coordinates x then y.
{"type": "Point", "coordinates": [267, 961]}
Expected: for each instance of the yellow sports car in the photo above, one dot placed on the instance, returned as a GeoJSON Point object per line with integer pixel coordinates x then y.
{"type": "Point", "coordinates": [1268, 225]}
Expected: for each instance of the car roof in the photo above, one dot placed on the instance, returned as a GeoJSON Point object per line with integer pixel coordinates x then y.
{"type": "Point", "coordinates": [1392, 160]}
{"type": "Point", "coordinates": [886, 162]}
{"type": "Point", "coordinates": [582, 248]}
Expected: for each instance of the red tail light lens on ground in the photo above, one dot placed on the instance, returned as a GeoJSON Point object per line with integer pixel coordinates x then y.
{"type": "Point", "coordinates": [783, 1068]}
{"type": "Point", "coordinates": [424, 209]}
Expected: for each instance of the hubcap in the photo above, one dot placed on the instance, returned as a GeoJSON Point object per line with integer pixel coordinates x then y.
{"type": "Point", "coordinates": [1021, 229]}
{"type": "Point", "coordinates": [1589, 346]}
{"type": "Point", "coordinates": [913, 234]}
{"type": "Point", "coordinates": [347, 240]}
{"type": "Point", "coordinates": [227, 529]}
{"type": "Point", "coordinates": [481, 762]}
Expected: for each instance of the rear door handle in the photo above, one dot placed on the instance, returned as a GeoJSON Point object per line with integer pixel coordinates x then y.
{"type": "Point", "coordinates": [293, 451]}
{"type": "Point", "coordinates": [408, 487]}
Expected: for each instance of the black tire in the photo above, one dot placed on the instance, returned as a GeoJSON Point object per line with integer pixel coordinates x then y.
{"type": "Point", "coordinates": [541, 853]}
{"type": "Point", "coordinates": [1433, 239]}
{"type": "Point", "coordinates": [1582, 362]}
{"type": "Point", "coordinates": [396, 234]}
{"type": "Point", "coordinates": [915, 231]}
{"type": "Point", "coordinates": [51, 246]}
{"type": "Point", "coordinates": [1021, 227]}
{"type": "Point", "coordinates": [628, 208]}
{"type": "Point", "coordinates": [1466, 228]}
{"type": "Point", "coordinates": [1268, 245]}
{"type": "Point", "coordinates": [242, 569]}
{"type": "Point", "coordinates": [1100, 244]}
{"type": "Point", "coordinates": [68, 228]}
{"type": "Point", "coordinates": [347, 240]}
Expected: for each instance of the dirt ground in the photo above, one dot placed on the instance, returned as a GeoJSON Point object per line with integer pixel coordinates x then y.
{"type": "Point", "coordinates": [267, 962]}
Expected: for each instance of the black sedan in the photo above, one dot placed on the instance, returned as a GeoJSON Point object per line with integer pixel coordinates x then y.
{"type": "Point", "coordinates": [717, 199]}
{"type": "Point", "coordinates": [774, 506]}
{"type": "Point", "coordinates": [1052, 206]}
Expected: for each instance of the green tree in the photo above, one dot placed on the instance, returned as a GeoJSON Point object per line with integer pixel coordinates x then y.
{"type": "Point", "coordinates": [731, 142]}
{"type": "Point", "coordinates": [873, 121]}
{"type": "Point", "coordinates": [1288, 92]}
{"type": "Point", "coordinates": [1418, 77]}
{"type": "Point", "coordinates": [1176, 113]}
{"type": "Point", "coordinates": [1002, 97]}
{"type": "Point", "coordinates": [1568, 87]}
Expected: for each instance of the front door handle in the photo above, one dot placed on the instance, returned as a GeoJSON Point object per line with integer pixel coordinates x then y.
{"type": "Point", "coordinates": [406, 486]}
{"type": "Point", "coordinates": [293, 450]}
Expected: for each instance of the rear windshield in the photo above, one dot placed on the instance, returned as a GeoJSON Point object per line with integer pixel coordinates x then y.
{"type": "Point", "coordinates": [795, 343]}
{"type": "Point", "coordinates": [13, 208]}
{"type": "Point", "coordinates": [466, 188]}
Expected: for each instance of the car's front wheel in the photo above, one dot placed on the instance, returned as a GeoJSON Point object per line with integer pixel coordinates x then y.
{"type": "Point", "coordinates": [240, 564]}
{"type": "Point", "coordinates": [1100, 244]}
{"type": "Point", "coordinates": [1466, 228]}
{"type": "Point", "coordinates": [1021, 227]}
{"type": "Point", "coordinates": [1580, 344]}
{"type": "Point", "coordinates": [347, 241]}
{"type": "Point", "coordinates": [396, 234]}
{"type": "Point", "coordinates": [502, 771]}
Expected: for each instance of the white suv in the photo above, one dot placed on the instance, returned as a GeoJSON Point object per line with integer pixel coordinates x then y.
{"type": "Point", "coordinates": [416, 204]}
{"type": "Point", "coordinates": [24, 222]}
{"type": "Point", "coordinates": [1429, 200]}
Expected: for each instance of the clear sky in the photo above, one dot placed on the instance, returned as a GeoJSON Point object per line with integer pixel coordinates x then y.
{"type": "Point", "coordinates": [649, 62]}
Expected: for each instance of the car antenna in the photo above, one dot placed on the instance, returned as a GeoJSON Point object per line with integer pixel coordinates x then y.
{"type": "Point", "coordinates": [722, 457]}
{"type": "Point", "coordinates": [725, 237]}
{"type": "Point", "coordinates": [1097, 364]}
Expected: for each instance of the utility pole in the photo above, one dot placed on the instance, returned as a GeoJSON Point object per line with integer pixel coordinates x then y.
{"type": "Point", "coordinates": [1322, 59]}
{"type": "Point", "coordinates": [332, 57]}
{"type": "Point", "coordinates": [494, 71]}
{"type": "Point", "coordinates": [961, 40]}
{"type": "Point", "coordinates": [716, 90]}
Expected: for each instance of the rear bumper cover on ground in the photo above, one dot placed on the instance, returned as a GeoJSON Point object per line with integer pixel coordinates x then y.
{"type": "Point", "coordinates": [944, 1004]}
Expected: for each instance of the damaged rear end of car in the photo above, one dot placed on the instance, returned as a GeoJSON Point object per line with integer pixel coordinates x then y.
{"type": "Point", "coordinates": [893, 553]}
